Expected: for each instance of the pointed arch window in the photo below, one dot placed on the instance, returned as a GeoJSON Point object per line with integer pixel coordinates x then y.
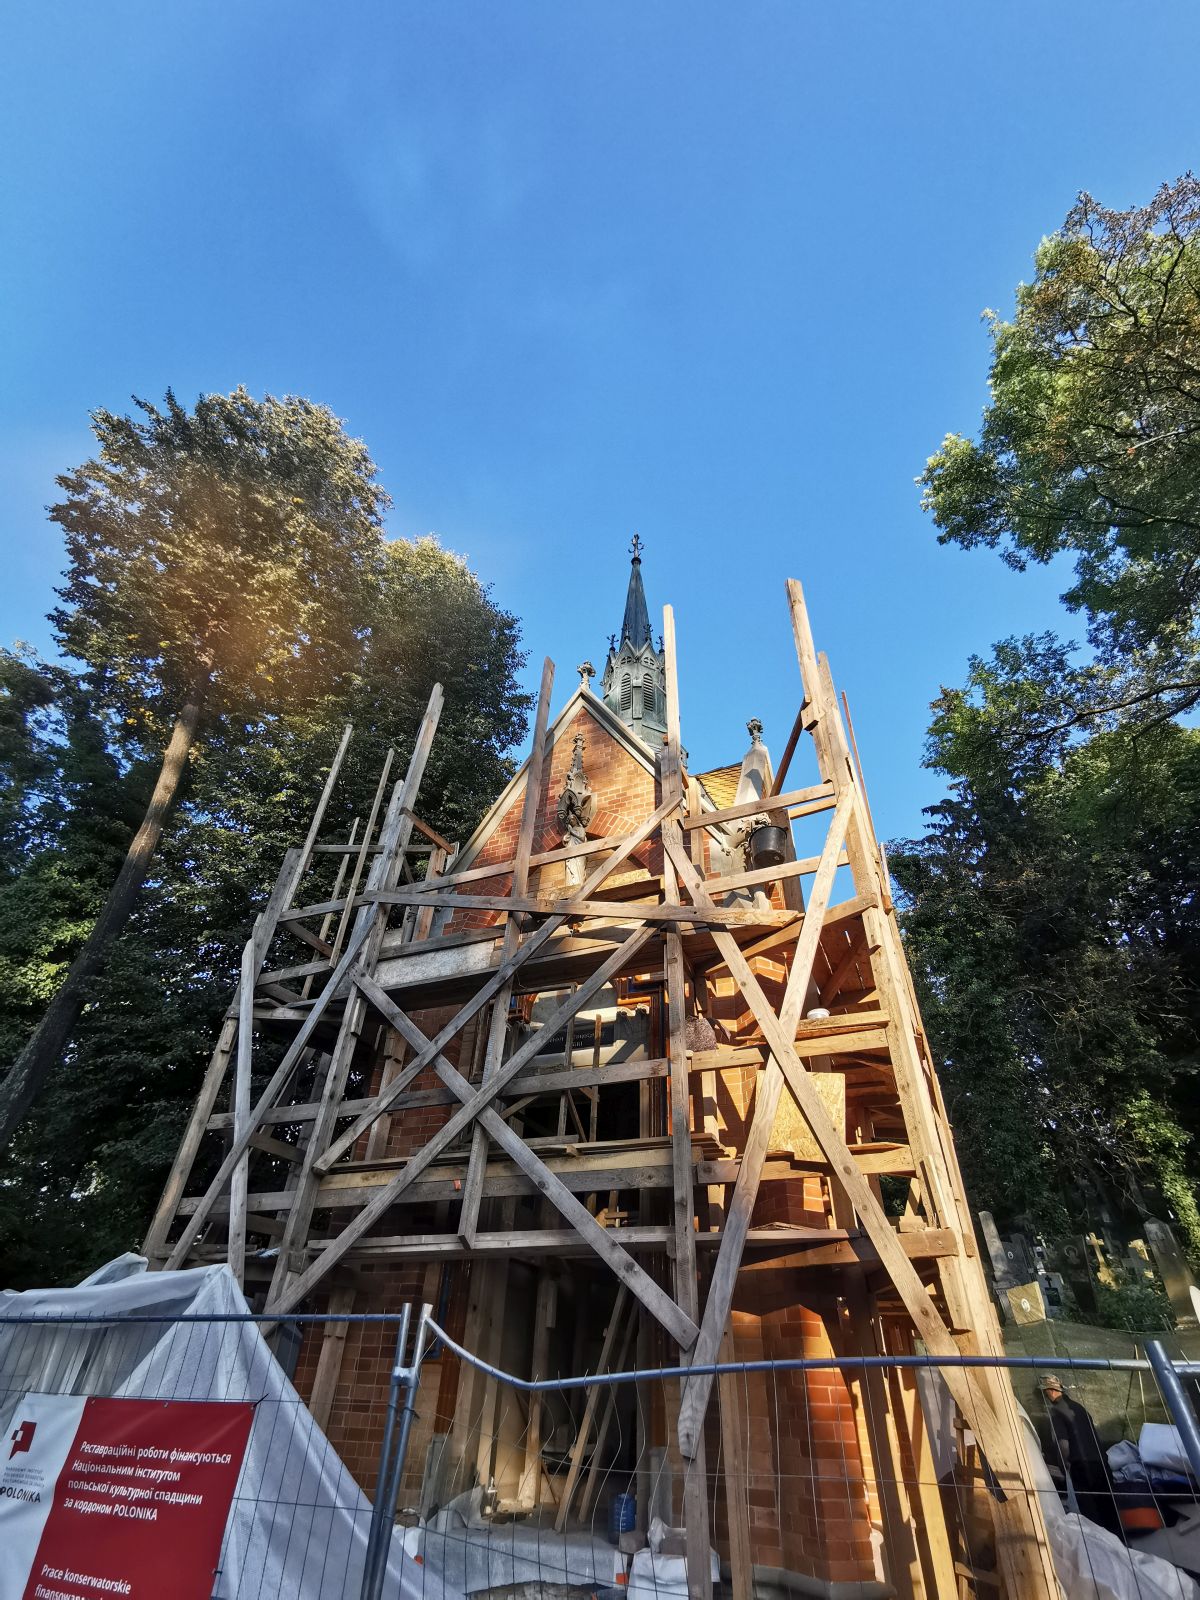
{"type": "Point", "coordinates": [626, 692]}
{"type": "Point", "coordinates": [648, 697]}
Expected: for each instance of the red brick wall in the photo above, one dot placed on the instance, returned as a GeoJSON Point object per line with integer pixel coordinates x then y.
{"type": "Point", "coordinates": [625, 796]}
{"type": "Point", "coordinates": [805, 1495]}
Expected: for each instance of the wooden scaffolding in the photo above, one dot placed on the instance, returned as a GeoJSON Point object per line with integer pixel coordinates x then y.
{"type": "Point", "coordinates": [377, 950]}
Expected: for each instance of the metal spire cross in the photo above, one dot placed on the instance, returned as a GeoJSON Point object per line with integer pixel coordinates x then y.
{"type": "Point", "coordinates": [636, 548]}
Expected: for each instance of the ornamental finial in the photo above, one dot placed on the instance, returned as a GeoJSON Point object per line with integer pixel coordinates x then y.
{"type": "Point", "coordinates": [636, 547]}
{"type": "Point", "coordinates": [755, 729]}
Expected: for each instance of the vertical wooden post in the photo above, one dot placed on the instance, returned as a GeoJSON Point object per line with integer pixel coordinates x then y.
{"type": "Point", "coordinates": [687, 1293]}
{"type": "Point", "coordinates": [329, 1361]}
{"type": "Point", "coordinates": [545, 1305]}
{"type": "Point", "coordinates": [498, 1022]}
{"type": "Point", "coordinates": [617, 1327]}
{"type": "Point", "coordinates": [347, 916]}
{"type": "Point", "coordinates": [369, 928]}
{"type": "Point", "coordinates": [239, 1183]}
{"type": "Point", "coordinates": [155, 1247]}
{"type": "Point", "coordinates": [733, 1452]}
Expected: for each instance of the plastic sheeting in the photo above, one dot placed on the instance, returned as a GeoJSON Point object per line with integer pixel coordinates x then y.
{"type": "Point", "coordinates": [299, 1523]}
{"type": "Point", "coordinates": [1161, 1449]}
{"type": "Point", "coordinates": [1090, 1562]}
{"type": "Point", "coordinates": [462, 1552]}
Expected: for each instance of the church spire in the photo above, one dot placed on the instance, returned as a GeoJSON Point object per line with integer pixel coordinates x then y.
{"type": "Point", "coordinates": [634, 682]}
{"type": "Point", "coordinates": [636, 624]}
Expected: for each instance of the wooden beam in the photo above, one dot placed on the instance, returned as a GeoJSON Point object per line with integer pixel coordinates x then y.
{"type": "Point", "coordinates": [155, 1247]}
{"type": "Point", "coordinates": [427, 1053]}
{"type": "Point", "coordinates": [766, 1104]}
{"type": "Point", "coordinates": [648, 1169]}
{"type": "Point", "coordinates": [239, 1183]}
{"type": "Point", "coordinates": [540, 858]}
{"type": "Point", "coordinates": [385, 869]}
{"type": "Point", "coordinates": [329, 1361]}
{"type": "Point", "coordinates": [930, 1244]}
{"type": "Point", "coordinates": [492, 986]}
{"type": "Point", "coordinates": [594, 1394]}
{"type": "Point", "coordinates": [737, 1500]}
{"type": "Point", "coordinates": [609, 1403]}
{"type": "Point", "coordinates": [789, 749]}
{"type": "Point", "coordinates": [434, 838]}
{"type": "Point", "coordinates": [475, 1107]}
{"type": "Point", "coordinates": [967, 1395]}
{"type": "Point", "coordinates": [525, 1084]}
{"type": "Point", "coordinates": [364, 850]}
{"type": "Point", "coordinates": [267, 1099]}
{"type": "Point", "coordinates": [579, 910]}
{"type": "Point", "coordinates": [818, 798]}
{"type": "Point", "coordinates": [687, 1293]}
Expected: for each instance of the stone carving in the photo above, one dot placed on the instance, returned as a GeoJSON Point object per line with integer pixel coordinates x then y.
{"type": "Point", "coordinates": [576, 805]}
{"type": "Point", "coordinates": [586, 672]}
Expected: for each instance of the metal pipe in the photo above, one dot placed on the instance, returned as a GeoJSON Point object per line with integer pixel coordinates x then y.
{"type": "Point", "coordinates": [61, 1318]}
{"type": "Point", "coordinates": [405, 1377]}
{"type": "Point", "coordinates": [411, 1385]}
{"type": "Point", "coordinates": [1179, 1407]}
{"type": "Point", "coordinates": [796, 1364]}
{"type": "Point", "coordinates": [799, 1364]}
{"type": "Point", "coordinates": [378, 1509]}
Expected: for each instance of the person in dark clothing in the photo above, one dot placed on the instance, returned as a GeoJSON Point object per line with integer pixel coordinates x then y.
{"type": "Point", "coordinates": [1081, 1455]}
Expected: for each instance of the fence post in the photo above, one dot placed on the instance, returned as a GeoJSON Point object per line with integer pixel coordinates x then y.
{"type": "Point", "coordinates": [1179, 1407]}
{"type": "Point", "coordinates": [375, 1538]}
{"type": "Point", "coordinates": [405, 1380]}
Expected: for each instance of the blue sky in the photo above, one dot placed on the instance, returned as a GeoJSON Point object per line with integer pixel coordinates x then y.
{"type": "Point", "coordinates": [709, 272]}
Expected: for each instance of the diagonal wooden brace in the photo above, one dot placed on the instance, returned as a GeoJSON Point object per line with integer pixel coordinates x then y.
{"type": "Point", "coordinates": [929, 1325]}
{"type": "Point", "coordinates": [268, 1098]}
{"type": "Point", "coordinates": [601, 1240]}
{"type": "Point", "coordinates": [388, 1097]}
{"type": "Point", "coordinates": [766, 1103]}
{"type": "Point", "coordinates": [445, 1135]}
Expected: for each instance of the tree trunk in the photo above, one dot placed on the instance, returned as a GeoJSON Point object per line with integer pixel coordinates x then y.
{"type": "Point", "coordinates": [30, 1070]}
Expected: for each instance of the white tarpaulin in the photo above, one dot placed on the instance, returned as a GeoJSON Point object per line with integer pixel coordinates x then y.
{"type": "Point", "coordinates": [299, 1523]}
{"type": "Point", "coordinates": [1090, 1562]}
{"type": "Point", "coordinates": [462, 1552]}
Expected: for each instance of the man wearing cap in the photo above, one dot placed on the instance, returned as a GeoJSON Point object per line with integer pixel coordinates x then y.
{"type": "Point", "coordinates": [1081, 1455]}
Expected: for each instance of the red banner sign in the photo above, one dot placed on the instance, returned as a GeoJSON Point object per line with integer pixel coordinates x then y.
{"type": "Point", "coordinates": [132, 1503]}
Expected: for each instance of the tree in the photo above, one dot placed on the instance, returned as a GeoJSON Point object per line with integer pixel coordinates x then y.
{"type": "Point", "coordinates": [1090, 446]}
{"type": "Point", "coordinates": [1051, 917]}
{"type": "Point", "coordinates": [221, 563]}
{"type": "Point", "coordinates": [66, 813]}
{"type": "Point", "coordinates": [81, 1176]}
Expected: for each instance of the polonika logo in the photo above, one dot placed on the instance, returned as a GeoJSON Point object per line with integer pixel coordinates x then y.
{"type": "Point", "coordinates": [26, 1480]}
{"type": "Point", "coordinates": [22, 1438]}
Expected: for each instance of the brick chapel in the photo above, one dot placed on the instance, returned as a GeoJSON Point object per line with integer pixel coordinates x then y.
{"type": "Point", "coordinates": [808, 1489]}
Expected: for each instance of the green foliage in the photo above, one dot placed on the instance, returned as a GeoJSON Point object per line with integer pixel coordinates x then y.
{"type": "Point", "coordinates": [77, 760]}
{"type": "Point", "coordinates": [232, 547]}
{"type": "Point", "coordinates": [66, 811]}
{"type": "Point", "coordinates": [1139, 1306]}
{"type": "Point", "coordinates": [1090, 443]}
{"type": "Point", "coordinates": [1050, 906]}
{"type": "Point", "coordinates": [1051, 919]}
